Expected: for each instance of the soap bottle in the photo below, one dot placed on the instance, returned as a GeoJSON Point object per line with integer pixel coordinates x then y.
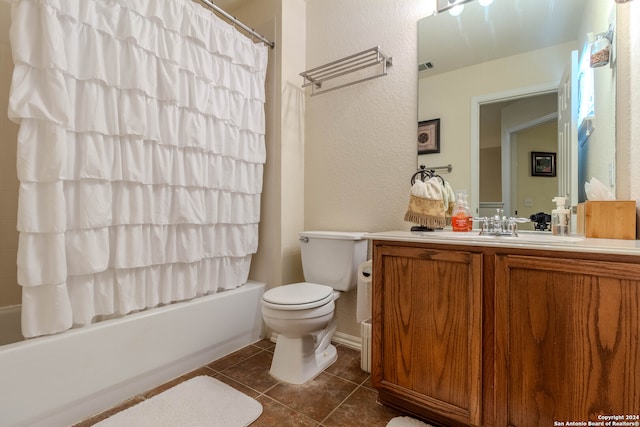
{"type": "Point", "coordinates": [460, 217]}
{"type": "Point", "coordinates": [469, 218]}
{"type": "Point", "coordinates": [560, 217]}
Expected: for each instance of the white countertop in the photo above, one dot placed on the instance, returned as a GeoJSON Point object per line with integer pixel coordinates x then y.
{"type": "Point", "coordinates": [524, 240]}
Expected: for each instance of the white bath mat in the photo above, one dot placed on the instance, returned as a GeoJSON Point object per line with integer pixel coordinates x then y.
{"type": "Point", "coordinates": [198, 402]}
{"type": "Point", "coordinates": [406, 422]}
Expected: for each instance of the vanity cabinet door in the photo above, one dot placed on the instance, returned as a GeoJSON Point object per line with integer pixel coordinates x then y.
{"type": "Point", "coordinates": [427, 333]}
{"type": "Point", "coordinates": [567, 346]}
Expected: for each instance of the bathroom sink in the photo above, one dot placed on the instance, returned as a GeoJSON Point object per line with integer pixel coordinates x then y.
{"type": "Point", "coordinates": [522, 237]}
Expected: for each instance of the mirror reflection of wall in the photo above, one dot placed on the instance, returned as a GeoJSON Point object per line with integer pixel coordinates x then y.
{"type": "Point", "coordinates": [531, 193]}
{"type": "Point", "coordinates": [535, 54]}
{"type": "Point", "coordinates": [522, 126]}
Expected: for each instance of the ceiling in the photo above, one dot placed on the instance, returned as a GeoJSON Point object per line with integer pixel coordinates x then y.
{"type": "Point", "coordinates": [504, 28]}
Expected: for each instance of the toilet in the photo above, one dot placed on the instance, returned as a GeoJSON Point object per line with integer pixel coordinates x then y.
{"type": "Point", "coordinates": [302, 314]}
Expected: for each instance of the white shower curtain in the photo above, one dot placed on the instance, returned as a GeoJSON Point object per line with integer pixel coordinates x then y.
{"type": "Point", "coordinates": [140, 155]}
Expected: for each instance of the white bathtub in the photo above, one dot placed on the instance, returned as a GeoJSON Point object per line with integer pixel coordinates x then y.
{"type": "Point", "coordinates": [60, 380]}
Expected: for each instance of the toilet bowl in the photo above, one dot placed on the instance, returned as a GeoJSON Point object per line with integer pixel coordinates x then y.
{"type": "Point", "coordinates": [303, 314]}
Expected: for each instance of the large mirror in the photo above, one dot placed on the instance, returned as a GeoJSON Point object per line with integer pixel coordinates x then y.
{"type": "Point", "coordinates": [494, 76]}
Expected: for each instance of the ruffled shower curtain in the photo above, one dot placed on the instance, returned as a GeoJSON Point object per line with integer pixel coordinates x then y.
{"type": "Point", "coordinates": [140, 156]}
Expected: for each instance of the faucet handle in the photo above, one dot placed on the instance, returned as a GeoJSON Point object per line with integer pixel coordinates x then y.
{"type": "Point", "coordinates": [512, 227]}
{"type": "Point", "coordinates": [484, 224]}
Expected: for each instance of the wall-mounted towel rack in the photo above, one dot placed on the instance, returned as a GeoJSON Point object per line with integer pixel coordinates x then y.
{"type": "Point", "coordinates": [425, 173]}
{"type": "Point", "coordinates": [448, 168]}
{"type": "Point", "coordinates": [315, 77]}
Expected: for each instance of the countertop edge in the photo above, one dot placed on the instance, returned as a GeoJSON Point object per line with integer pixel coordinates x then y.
{"type": "Point", "coordinates": [586, 245]}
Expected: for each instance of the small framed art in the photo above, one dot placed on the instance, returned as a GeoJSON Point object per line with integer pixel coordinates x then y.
{"type": "Point", "coordinates": [429, 136]}
{"type": "Point", "coordinates": [543, 164]}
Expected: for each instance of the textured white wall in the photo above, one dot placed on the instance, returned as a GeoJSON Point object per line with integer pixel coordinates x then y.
{"type": "Point", "coordinates": [361, 140]}
{"type": "Point", "coordinates": [628, 103]}
{"type": "Point", "coordinates": [360, 148]}
{"type": "Point", "coordinates": [634, 95]}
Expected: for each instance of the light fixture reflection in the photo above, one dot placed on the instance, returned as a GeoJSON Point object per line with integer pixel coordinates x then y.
{"type": "Point", "coordinates": [455, 7]}
{"type": "Point", "coordinates": [456, 10]}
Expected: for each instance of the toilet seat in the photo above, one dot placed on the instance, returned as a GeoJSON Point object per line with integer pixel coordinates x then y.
{"type": "Point", "coordinates": [297, 296]}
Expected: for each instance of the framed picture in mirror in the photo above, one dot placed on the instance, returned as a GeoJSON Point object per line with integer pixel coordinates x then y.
{"type": "Point", "coordinates": [429, 136]}
{"type": "Point", "coordinates": [543, 164]}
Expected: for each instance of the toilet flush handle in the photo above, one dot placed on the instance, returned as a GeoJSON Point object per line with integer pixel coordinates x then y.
{"type": "Point", "coordinates": [304, 239]}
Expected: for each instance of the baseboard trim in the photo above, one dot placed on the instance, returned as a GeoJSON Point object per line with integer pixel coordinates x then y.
{"type": "Point", "coordinates": [338, 338]}
{"type": "Point", "coordinates": [347, 340]}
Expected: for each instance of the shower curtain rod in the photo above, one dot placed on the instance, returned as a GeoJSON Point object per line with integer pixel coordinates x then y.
{"type": "Point", "coordinates": [236, 21]}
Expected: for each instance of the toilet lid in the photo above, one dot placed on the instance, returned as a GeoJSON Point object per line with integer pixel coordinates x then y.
{"type": "Point", "coordinates": [303, 293]}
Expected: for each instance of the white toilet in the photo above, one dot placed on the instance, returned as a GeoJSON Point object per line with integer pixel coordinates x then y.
{"type": "Point", "coordinates": [302, 314]}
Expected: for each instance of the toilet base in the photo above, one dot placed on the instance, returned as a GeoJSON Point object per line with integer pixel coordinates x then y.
{"type": "Point", "coordinates": [296, 361]}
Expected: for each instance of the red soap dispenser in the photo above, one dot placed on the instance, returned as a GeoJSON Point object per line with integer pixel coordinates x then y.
{"type": "Point", "coordinates": [461, 216]}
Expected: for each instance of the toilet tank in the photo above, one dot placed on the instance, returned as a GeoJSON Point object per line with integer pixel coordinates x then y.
{"type": "Point", "coordinates": [332, 257]}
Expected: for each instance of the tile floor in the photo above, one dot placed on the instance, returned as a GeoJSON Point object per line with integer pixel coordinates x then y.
{"type": "Point", "coordinates": [341, 396]}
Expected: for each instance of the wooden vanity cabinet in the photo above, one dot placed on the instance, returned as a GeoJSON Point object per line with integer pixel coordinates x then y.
{"type": "Point", "coordinates": [567, 340]}
{"type": "Point", "coordinates": [427, 331]}
{"type": "Point", "coordinates": [466, 335]}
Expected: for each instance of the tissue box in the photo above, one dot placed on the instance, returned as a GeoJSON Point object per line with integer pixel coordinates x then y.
{"type": "Point", "coordinates": [614, 219]}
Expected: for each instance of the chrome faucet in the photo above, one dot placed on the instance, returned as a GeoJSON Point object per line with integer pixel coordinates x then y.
{"type": "Point", "coordinates": [499, 224]}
